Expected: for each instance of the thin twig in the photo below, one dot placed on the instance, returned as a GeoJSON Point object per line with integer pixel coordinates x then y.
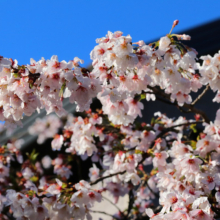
{"type": "Point", "coordinates": [105, 177]}
{"type": "Point", "coordinates": [156, 195]}
{"type": "Point", "coordinates": [172, 128]}
{"type": "Point", "coordinates": [112, 203]}
{"type": "Point", "coordinates": [165, 101]}
{"type": "Point", "coordinates": [191, 108]}
{"type": "Point", "coordinates": [201, 95]}
{"type": "Point", "coordinates": [186, 124]}
{"type": "Point", "coordinates": [175, 126]}
{"type": "Point", "coordinates": [157, 209]}
{"type": "Point", "coordinates": [197, 111]}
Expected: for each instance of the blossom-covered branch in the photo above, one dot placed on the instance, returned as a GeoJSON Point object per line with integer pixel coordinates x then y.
{"type": "Point", "coordinates": [173, 162]}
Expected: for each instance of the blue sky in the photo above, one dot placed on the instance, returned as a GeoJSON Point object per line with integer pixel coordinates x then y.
{"type": "Point", "coordinates": [68, 28]}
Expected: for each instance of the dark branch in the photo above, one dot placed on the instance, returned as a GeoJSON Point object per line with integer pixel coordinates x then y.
{"type": "Point", "coordinates": [166, 98]}
{"type": "Point", "coordinates": [154, 193]}
{"type": "Point", "coordinates": [131, 202]}
{"type": "Point", "coordinates": [106, 177]}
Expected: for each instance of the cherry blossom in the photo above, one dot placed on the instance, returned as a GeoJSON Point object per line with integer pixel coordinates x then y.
{"type": "Point", "coordinates": [165, 172]}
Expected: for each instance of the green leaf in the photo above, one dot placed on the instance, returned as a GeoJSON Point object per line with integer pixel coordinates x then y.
{"type": "Point", "coordinates": [152, 121]}
{"type": "Point", "coordinates": [62, 90]}
{"type": "Point", "coordinates": [31, 193]}
{"type": "Point", "coordinates": [193, 144]}
{"type": "Point", "coordinates": [143, 96]}
{"type": "Point", "coordinates": [151, 152]}
{"type": "Point", "coordinates": [138, 152]}
{"type": "Point", "coordinates": [64, 185]}
{"type": "Point", "coordinates": [154, 171]}
{"type": "Point", "coordinates": [33, 156]}
{"type": "Point", "coordinates": [31, 85]}
{"type": "Point", "coordinates": [34, 178]}
{"type": "Point", "coordinates": [193, 128]}
{"type": "Point", "coordinates": [182, 178]}
{"type": "Point", "coordinates": [16, 75]}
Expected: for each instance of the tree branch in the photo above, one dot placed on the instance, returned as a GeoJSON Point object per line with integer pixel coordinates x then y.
{"type": "Point", "coordinates": [145, 154]}
{"type": "Point", "coordinates": [190, 107]}
{"type": "Point", "coordinates": [201, 95]}
{"type": "Point", "coordinates": [105, 177]}
{"type": "Point", "coordinates": [154, 193]}
{"type": "Point", "coordinates": [131, 202]}
{"type": "Point", "coordinates": [184, 124]}
{"type": "Point", "coordinates": [197, 111]}
{"type": "Point", "coordinates": [172, 128]}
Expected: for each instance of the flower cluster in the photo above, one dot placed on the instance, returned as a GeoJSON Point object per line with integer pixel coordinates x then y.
{"type": "Point", "coordinates": [122, 71]}
{"type": "Point", "coordinates": [168, 168]}
{"type": "Point", "coordinates": [126, 71]}
{"type": "Point", "coordinates": [8, 154]}
{"type": "Point", "coordinates": [34, 205]}
{"type": "Point", "coordinates": [189, 183]}
{"type": "Point", "coordinates": [42, 84]}
{"type": "Point", "coordinates": [45, 128]}
{"type": "Point", "coordinates": [80, 135]}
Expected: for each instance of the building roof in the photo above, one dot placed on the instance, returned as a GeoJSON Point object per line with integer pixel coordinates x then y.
{"type": "Point", "coordinates": [205, 37]}
{"type": "Point", "coordinates": [27, 122]}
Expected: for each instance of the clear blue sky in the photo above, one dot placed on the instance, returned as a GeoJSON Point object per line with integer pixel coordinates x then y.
{"type": "Point", "coordinates": [68, 28]}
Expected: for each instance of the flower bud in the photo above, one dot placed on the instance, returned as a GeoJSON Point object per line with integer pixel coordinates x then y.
{"type": "Point", "coordinates": [175, 23]}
